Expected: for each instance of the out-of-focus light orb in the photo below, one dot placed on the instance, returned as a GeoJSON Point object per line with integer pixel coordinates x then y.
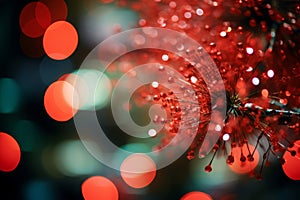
{"type": "Point", "coordinates": [57, 8]}
{"type": "Point", "coordinates": [193, 79]}
{"type": "Point", "coordinates": [196, 196]}
{"type": "Point", "coordinates": [139, 39]}
{"type": "Point", "coordinates": [292, 163]}
{"type": "Point", "coordinates": [131, 147]}
{"type": "Point", "coordinates": [241, 87]}
{"type": "Point", "coordinates": [138, 170]}
{"type": "Point", "coordinates": [296, 147]}
{"type": "Point", "coordinates": [35, 17]}
{"type": "Point", "coordinates": [265, 93]}
{"type": "Point", "coordinates": [61, 101]}
{"type": "Point", "coordinates": [99, 187]}
{"type": "Point", "coordinates": [51, 70]}
{"type": "Point", "coordinates": [270, 73]}
{"type": "Point", "coordinates": [199, 12]}
{"type": "Point", "coordinates": [155, 84]}
{"type": "Point", "coordinates": [152, 133]}
{"type": "Point", "coordinates": [105, 20]}
{"type": "Point", "coordinates": [10, 153]}
{"type": "Point", "coordinates": [187, 15]}
{"type": "Point", "coordinates": [165, 57]}
{"type": "Point", "coordinates": [172, 4]}
{"type": "Point", "coordinates": [247, 166]}
{"type": "Point", "coordinates": [174, 18]}
{"type": "Point", "coordinates": [283, 101]}
{"type": "Point", "coordinates": [218, 127]}
{"type": "Point", "coordinates": [249, 69]}
{"type": "Point", "coordinates": [249, 50]}
{"type": "Point", "coordinates": [60, 40]}
{"type": "Point", "coordinates": [72, 159]}
{"type": "Point", "coordinates": [255, 81]}
{"type": "Point", "coordinates": [10, 95]}
{"type": "Point", "coordinates": [226, 137]}
{"type": "Point", "coordinates": [38, 189]}
{"type": "Point", "coordinates": [223, 33]}
{"type": "Point", "coordinates": [287, 93]}
{"type": "Point", "coordinates": [92, 87]}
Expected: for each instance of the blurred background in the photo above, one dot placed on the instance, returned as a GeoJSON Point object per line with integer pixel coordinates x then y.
{"type": "Point", "coordinates": [54, 163]}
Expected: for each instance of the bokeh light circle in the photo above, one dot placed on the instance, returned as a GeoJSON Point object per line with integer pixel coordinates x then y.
{"type": "Point", "coordinates": [81, 164]}
{"type": "Point", "coordinates": [35, 17]}
{"type": "Point", "coordinates": [91, 81]}
{"type": "Point", "coordinates": [138, 170]}
{"type": "Point", "coordinates": [10, 153]}
{"type": "Point", "coordinates": [60, 101]}
{"type": "Point", "coordinates": [99, 187]}
{"type": "Point", "coordinates": [292, 163]}
{"type": "Point", "coordinates": [93, 88]}
{"type": "Point", "coordinates": [60, 40]}
{"type": "Point", "coordinates": [9, 102]}
{"type": "Point", "coordinates": [247, 166]}
{"type": "Point", "coordinates": [57, 8]}
{"type": "Point", "coordinates": [196, 196]}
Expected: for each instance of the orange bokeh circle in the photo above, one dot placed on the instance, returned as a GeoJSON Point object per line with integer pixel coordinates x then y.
{"type": "Point", "coordinates": [196, 196]}
{"type": "Point", "coordinates": [247, 166]}
{"type": "Point", "coordinates": [292, 163]}
{"type": "Point", "coordinates": [10, 153]}
{"type": "Point", "coordinates": [138, 170]}
{"type": "Point", "coordinates": [98, 187]}
{"type": "Point", "coordinates": [60, 101]}
{"type": "Point", "coordinates": [60, 40]}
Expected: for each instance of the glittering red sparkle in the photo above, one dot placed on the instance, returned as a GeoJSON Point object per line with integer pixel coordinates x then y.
{"type": "Point", "coordinates": [260, 68]}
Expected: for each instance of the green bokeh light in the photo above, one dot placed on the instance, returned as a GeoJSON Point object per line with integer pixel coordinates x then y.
{"type": "Point", "coordinates": [72, 159]}
{"type": "Point", "coordinates": [10, 95]}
